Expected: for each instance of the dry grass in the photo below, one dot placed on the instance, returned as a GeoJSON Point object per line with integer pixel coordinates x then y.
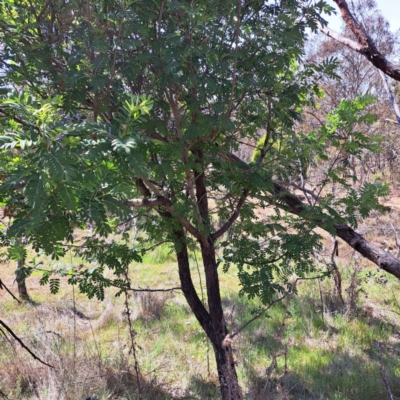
{"type": "Point", "coordinates": [151, 304]}
{"type": "Point", "coordinates": [88, 342]}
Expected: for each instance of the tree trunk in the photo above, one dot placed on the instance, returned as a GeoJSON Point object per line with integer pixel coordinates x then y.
{"type": "Point", "coordinates": [213, 322]}
{"type": "Point", "coordinates": [20, 278]}
{"type": "Point", "coordinates": [229, 384]}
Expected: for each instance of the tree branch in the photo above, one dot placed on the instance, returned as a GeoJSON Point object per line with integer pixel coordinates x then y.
{"type": "Point", "coordinates": [292, 204]}
{"type": "Point", "coordinates": [155, 202]}
{"type": "Point", "coordinates": [23, 345]}
{"type": "Point", "coordinates": [3, 286]}
{"type": "Point", "coordinates": [161, 201]}
{"type": "Point", "coordinates": [217, 234]}
{"type": "Point", "coordinates": [131, 289]}
{"type": "Point", "coordinates": [364, 44]}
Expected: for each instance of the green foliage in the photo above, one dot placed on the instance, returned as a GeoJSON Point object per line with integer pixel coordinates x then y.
{"type": "Point", "coordinates": [147, 100]}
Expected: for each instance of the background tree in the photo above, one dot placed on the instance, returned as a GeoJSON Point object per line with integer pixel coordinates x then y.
{"type": "Point", "coordinates": [358, 77]}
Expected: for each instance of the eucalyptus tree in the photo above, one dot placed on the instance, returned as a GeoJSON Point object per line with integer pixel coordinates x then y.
{"type": "Point", "coordinates": [359, 77]}
{"type": "Point", "coordinates": [110, 106]}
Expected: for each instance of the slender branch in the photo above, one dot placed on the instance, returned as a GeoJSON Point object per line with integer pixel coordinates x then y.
{"type": "Point", "coordinates": [262, 312]}
{"type": "Point", "coordinates": [161, 201]}
{"type": "Point", "coordinates": [232, 218]}
{"type": "Point", "coordinates": [383, 373]}
{"type": "Point", "coordinates": [352, 44]}
{"type": "Point", "coordinates": [23, 345]}
{"type": "Point", "coordinates": [3, 286]}
{"type": "Point", "coordinates": [310, 192]}
{"type": "Point", "coordinates": [160, 14]}
{"type": "Point", "coordinates": [258, 315]}
{"type": "Point", "coordinates": [156, 202]}
{"type": "Point", "coordinates": [237, 31]}
{"type": "Point", "coordinates": [43, 10]}
{"type": "Point", "coordinates": [148, 290]}
{"type": "Point", "coordinates": [193, 230]}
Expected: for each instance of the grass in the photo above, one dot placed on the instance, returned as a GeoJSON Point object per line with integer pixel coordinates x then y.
{"type": "Point", "coordinates": [311, 346]}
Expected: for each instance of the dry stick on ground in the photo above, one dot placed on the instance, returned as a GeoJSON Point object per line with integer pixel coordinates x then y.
{"type": "Point", "coordinates": [8, 329]}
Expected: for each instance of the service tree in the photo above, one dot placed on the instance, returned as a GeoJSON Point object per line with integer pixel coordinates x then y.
{"type": "Point", "coordinates": [114, 109]}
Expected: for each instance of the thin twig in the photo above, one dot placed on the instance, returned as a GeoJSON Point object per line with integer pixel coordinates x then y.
{"type": "Point", "coordinates": [287, 294]}
{"type": "Point", "coordinates": [3, 286]}
{"type": "Point", "coordinates": [259, 315]}
{"type": "Point", "coordinates": [146, 290]}
{"type": "Point", "coordinates": [23, 345]}
{"type": "Point", "coordinates": [3, 395]}
{"type": "Point", "coordinates": [132, 334]}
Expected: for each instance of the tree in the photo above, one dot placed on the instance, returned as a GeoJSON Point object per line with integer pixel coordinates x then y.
{"type": "Point", "coordinates": [359, 77]}
{"type": "Point", "coordinates": [110, 106]}
{"type": "Point", "coordinates": [363, 43]}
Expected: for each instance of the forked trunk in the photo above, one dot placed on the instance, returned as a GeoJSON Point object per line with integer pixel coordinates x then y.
{"type": "Point", "coordinates": [212, 322]}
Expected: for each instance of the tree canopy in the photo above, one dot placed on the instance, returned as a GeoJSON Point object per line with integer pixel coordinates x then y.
{"type": "Point", "coordinates": [113, 110]}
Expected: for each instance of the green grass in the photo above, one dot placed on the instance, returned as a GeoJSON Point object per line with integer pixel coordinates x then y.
{"type": "Point", "coordinates": [330, 355]}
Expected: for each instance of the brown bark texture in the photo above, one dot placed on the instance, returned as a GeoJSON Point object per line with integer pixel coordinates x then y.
{"type": "Point", "coordinates": [212, 321]}
{"type": "Point", "coordinates": [364, 44]}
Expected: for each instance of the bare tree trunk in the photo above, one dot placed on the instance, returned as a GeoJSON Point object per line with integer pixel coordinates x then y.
{"type": "Point", "coordinates": [212, 322]}
{"type": "Point", "coordinates": [391, 97]}
{"type": "Point", "coordinates": [20, 278]}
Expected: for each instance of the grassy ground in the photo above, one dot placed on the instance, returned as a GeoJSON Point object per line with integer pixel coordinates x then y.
{"type": "Point", "coordinates": [310, 346]}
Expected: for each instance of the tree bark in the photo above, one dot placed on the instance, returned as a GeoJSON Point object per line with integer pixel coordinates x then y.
{"type": "Point", "coordinates": [213, 322]}
{"type": "Point", "coordinates": [364, 44]}
{"type": "Point", "coordinates": [20, 277]}
{"type": "Point", "coordinates": [229, 384]}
